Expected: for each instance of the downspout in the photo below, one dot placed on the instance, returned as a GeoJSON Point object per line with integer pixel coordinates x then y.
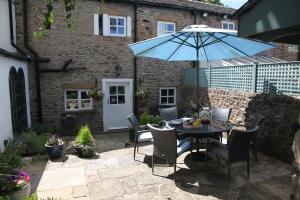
{"type": "Point", "coordinates": [135, 58]}
{"type": "Point", "coordinates": [36, 63]}
{"type": "Point", "coordinates": [11, 29]}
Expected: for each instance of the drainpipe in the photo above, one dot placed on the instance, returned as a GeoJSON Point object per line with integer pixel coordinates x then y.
{"type": "Point", "coordinates": [135, 59]}
{"type": "Point", "coordinates": [11, 29]}
{"type": "Point", "coordinates": [36, 63]}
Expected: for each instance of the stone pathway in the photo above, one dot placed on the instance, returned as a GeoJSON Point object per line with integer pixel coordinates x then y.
{"type": "Point", "coordinates": [114, 175]}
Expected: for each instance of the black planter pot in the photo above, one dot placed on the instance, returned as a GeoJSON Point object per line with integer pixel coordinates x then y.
{"type": "Point", "coordinates": [54, 151]}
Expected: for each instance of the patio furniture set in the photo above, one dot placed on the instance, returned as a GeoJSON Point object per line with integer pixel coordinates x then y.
{"type": "Point", "coordinates": [171, 138]}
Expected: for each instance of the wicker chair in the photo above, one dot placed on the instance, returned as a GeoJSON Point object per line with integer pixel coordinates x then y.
{"type": "Point", "coordinates": [221, 114]}
{"type": "Point", "coordinates": [168, 114]}
{"type": "Point", "coordinates": [237, 149]}
{"type": "Point", "coordinates": [259, 119]}
{"type": "Point", "coordinates": [140, 133]}
{"type": "Point", "coordinates": [166, 145]}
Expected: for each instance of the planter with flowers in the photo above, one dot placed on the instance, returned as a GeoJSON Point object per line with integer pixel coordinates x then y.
{"type": "Point", "coordinates": [142, 93]}
{"type": "Point", "coordinates": [96, 94]}
{"type": "Point", "coordinates": [54, 146]}
{"type": "Point", "coordinates": [16, 185]}
{"type": "Point", "coordinates": [205, 117]}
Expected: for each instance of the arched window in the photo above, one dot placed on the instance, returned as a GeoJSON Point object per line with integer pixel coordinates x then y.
{"type": "Point", "coordinates": [17, 100]}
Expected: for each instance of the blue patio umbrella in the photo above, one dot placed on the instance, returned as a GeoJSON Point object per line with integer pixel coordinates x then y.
{"type": "Point", "coordinates": [199, 43]}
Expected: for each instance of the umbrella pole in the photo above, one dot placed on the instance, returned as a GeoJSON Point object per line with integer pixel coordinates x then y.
{"type": "Point", "coordinates": [197, 94]}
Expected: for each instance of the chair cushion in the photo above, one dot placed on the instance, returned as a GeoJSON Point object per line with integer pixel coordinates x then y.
{"type": "Point", "coordinates": [145, 136]}
{"type": "Point", "coordinates": [168, 114]}
{"type": "Point", "coordinates": [220, 150]}
{"type": "Point", "coordinates": [183, 147]}
{"type": "Point", "coordinates": [180, 142]}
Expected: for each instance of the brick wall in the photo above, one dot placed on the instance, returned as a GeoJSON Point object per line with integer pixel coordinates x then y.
{"type": "Point", "coordinates": [281, 112]}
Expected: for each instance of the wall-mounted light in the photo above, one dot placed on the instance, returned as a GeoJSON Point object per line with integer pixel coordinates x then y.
{"type": "Point", "coordinates": [225, 16]}
{"type": "Point", "coordinates": [205, 14]}
{"type": "Point", "coordinates": [118, 70]}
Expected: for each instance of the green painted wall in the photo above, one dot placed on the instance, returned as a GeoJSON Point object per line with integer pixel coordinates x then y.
{"type": "Point", "coordinates": [269, 15]}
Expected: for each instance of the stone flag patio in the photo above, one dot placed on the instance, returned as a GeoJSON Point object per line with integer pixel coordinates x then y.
{"type": "Point", "coordinates": [114, 175]}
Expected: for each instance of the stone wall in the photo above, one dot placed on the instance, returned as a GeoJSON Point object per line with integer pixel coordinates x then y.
{"type": "Point", "coordinates": [281, 112]}
{"type": "Point", "coordinates": [95, 57]}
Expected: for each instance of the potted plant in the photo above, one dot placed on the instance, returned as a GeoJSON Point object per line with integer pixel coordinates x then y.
{"type": "Point", "coordinates": [85, 143]}
{"type": "Point", "coordinates": [205, 117]}
{"type": "Point", "coordinates": [96, 94]}
{"type": "Point", "coordinates": [54, 146]}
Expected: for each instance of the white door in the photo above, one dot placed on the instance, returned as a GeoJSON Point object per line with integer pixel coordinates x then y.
{"type": "Point", "coordinates": [117, 103]}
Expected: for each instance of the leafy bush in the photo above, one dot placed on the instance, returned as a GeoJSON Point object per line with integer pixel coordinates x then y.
{"type": "Point", "coordinates": [33, 196]}
{"type": "Point", "coordinates": [84, 136]}
{"type": "Point", "coordinates": [42, 129]}
{"type": "Point", "coordinates": [32, 143]}
{"type": "Point", "coordinates": [146, 118]}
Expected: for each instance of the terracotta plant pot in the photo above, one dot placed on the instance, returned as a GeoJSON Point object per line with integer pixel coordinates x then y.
{"type": "Point", "coordinates": [54, 151]}
{"type": "Point", "coordinates": [20, 194]}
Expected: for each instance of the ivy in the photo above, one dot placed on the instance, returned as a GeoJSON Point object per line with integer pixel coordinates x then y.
{"type": "Point", "coordinates": [48, 20]}
{"type": "Point", "coordinates": [69, 7]}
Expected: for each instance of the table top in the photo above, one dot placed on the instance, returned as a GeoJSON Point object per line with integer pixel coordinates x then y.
{"type": "Point", "coordinates": [215, 127]}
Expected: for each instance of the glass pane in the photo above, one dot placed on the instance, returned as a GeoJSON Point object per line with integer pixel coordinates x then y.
{"type": "Point", "coordinates": [164, 100]}
{"type": "Point", "coordinates": [225, 26]}
{"type": "Point", "coordinates": [170, 100]}
{"type": "Point", "coordinates": [121, 22]}
{"type": "Point", "coordinates": [113, 30]}
{"type": "Point", "coordinates": [72, 95]}
{"type": "Point", "coordinates": [113, 99]}
{"type": "Point", "coordinates": [171, 92]}
{"type": "Point", "coordinates": [161, 27]}
{"type": "Point", "coordinates": [72, 104]}
{"type": "Point", "coordinates": [230, 26]}
{"type": "Point", "coordinates": [121, 90]}
{"type": "Point", "coordinates": [86, 104]}
{"type": "Point", "coordinates": [164, 92]}
{"type": "Point", "coordinates": [121, 99]}
{"type": "Point", "coordinates": [121, 30]}
{"type": "Point", "coordinates": [84, 95]}
{"type": "Point", "coordinates": [112, 90]}
{"type": "Point", "coordinates": [170, 27]}
{"type": "Point", "coordinates": [113, 21]}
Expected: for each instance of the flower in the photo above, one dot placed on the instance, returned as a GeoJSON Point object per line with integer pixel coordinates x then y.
{"type": "Point", "coordinates": [14, 182]}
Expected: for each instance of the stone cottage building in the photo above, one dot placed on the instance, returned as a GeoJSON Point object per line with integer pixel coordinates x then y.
{"type": "Point", "coordinates": [94, 54]}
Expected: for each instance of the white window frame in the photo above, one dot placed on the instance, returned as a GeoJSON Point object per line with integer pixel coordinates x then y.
{"type": "Point", "coordinates": [78, 99]}
{"type": "Point", "coordinates": [292, 48]}
{"type": "Point", "coordinates": [160, 95]}
{"type": "Point", "coordinates": [227, 22]}
{"type": "Point", "coordinates": [165, 23]}
{"type": "Point", "coordinates": [109, 25]}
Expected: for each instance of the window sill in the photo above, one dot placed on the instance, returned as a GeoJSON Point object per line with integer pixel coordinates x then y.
{"type": "Point", "coordinates": [80, 111]}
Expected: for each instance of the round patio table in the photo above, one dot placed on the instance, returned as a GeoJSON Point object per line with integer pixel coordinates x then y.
{"type": "Point", "coordinates": [212, 130]}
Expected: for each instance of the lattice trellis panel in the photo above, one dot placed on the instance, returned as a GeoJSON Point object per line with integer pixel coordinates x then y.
{"type": "Point", "coordinates": [232, 77]}
{"type": "Point", "coordinates": [279, 78]}
{"type": "Point", "coordinates": [271, 78]}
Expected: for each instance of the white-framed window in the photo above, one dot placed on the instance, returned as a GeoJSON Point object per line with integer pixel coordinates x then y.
{"type": "Point", "coordinates": [228, 25]}
{"type": "Point", "coordinates": [292, 48]}
{"type": "Point", "coordinates": [117, 25]}
{"type": "Point", "coordinates": [76, 100]}
{"type": "Point", "coordinates": [164, 28]}
{"type": "Point", "coordinates": [117, 94]}
{"type": "Point", "coordinates": [110, 25]}
{"type": "Point", "coordinates": [167, 96]}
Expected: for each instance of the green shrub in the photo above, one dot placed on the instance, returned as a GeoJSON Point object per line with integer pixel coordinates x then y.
{"type": "Point", "coordinates": [147, 118]}
{"type": "Point", "coordinates": [32, 143]}
{"type": "Point", "coordinates": [84, 136]}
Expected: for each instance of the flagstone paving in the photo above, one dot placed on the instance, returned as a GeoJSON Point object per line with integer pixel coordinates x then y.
{"type": "Point", "coordinates": [114, 175]}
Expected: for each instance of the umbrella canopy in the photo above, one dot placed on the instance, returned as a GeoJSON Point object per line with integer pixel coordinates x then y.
{"type": "Point", "coordinates": [198, 42]}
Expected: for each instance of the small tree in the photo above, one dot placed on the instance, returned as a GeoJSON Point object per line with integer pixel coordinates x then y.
{"type": "Point", "coordinates": [217, 2]}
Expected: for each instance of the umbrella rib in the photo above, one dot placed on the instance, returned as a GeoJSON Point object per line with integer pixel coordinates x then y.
{"type": "Point", "coordinates": [230, 45]}
{"type": "Point", "coordinates": [203, 48]}
{"type": "Point", "coordinates": [188, 44]}
{"type": "Point", "coordinates": [157, 45]}
{"type": "Point", "coordinates": [177, 37]}
{"type": "Point", "coordinates": [179, 46]}
{"type": "Point", "coordinates": [213, 42]}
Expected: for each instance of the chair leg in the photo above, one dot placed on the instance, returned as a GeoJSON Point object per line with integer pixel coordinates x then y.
{"type": "Point", "coordinates": [248, 168]}
{"type": "Point", "coordinates": [228, 163]}
{"type": "Point", "coordinates": [134, 150]}
{"type": "Point", "coordinates": [218, 159]}
{"type": "Point", "coordinates": [191, 159]}
{"type": "Point", "coordinates": [174, 177]}
{"type": "Point", "coordinates": [137, 150]}
{"type": "Point", "coordinates": [152, 164]}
